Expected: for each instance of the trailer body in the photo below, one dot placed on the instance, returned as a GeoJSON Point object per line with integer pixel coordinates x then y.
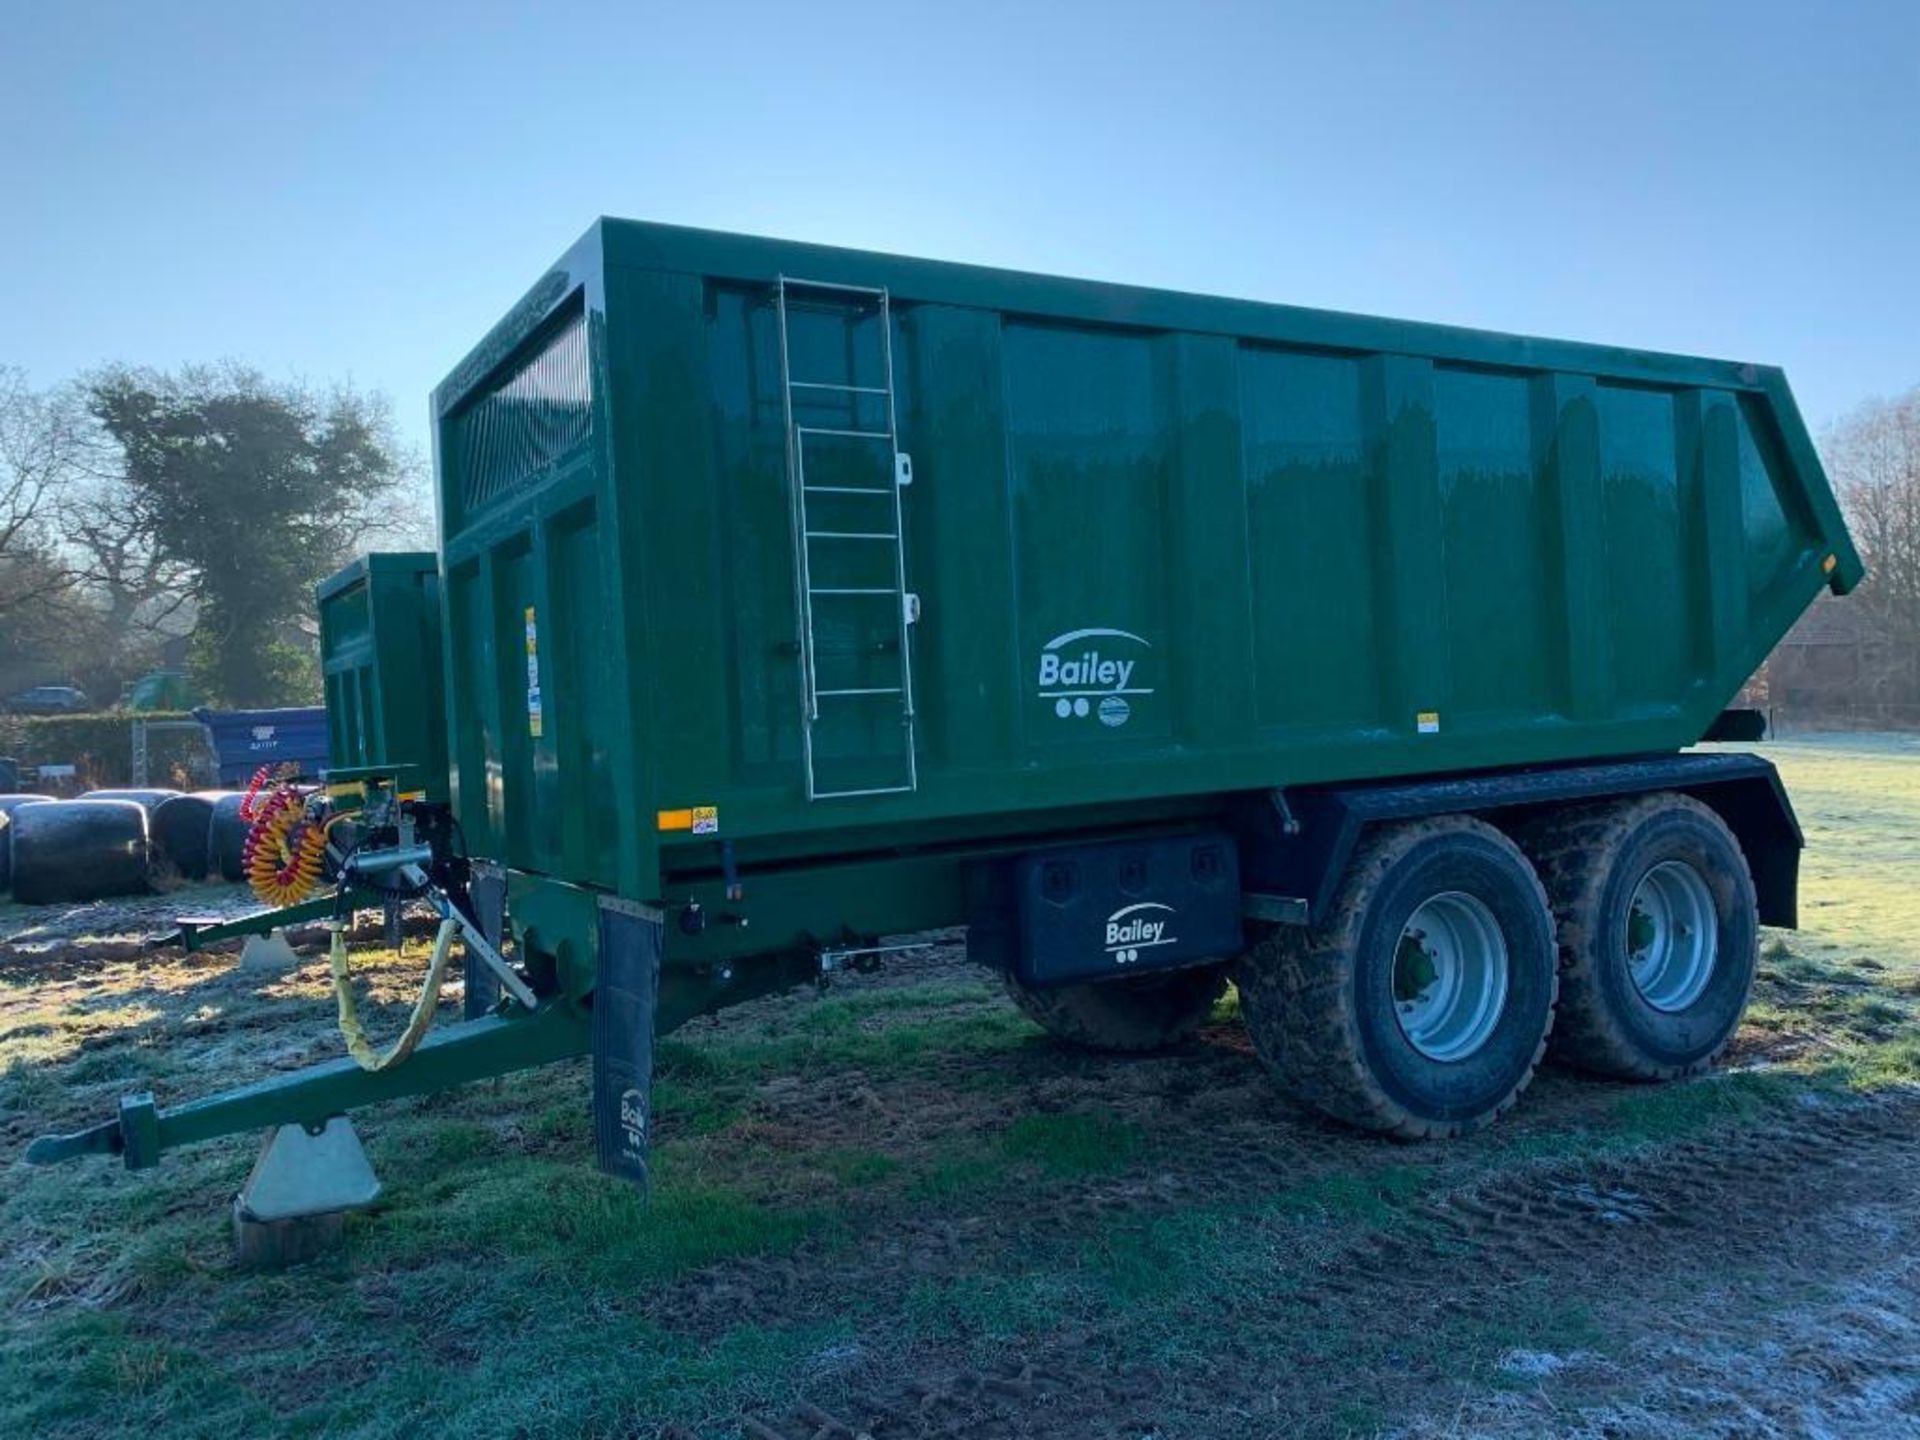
{"type": "Point", "coordinates": [381, 669]}
{"type": "Point", "coordinates": [1153, 549]}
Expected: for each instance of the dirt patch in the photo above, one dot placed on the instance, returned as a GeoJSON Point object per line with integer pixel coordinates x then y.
{"type": "Point", "coordinates": [1728, 1361]}
{"type": "Point", "coordinates": [1802, 1203]}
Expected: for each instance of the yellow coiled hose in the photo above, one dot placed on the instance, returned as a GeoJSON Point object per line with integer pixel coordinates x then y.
{"type": "Point", "coordinates": [285, 850]}
{"type": "Point", "coordinates": [418, 1024]}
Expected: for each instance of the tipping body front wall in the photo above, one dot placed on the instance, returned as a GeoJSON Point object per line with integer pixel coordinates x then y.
{"type": "Point", "coordinates": [1150, 549]}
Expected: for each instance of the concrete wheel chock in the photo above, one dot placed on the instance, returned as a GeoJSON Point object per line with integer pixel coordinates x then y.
{"type": "Point", "coordinates": [268, 952]}
{"type": "Point", "coordinates": [295, 1202]}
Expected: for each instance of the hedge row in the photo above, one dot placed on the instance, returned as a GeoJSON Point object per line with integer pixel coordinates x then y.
{"type": "Point", "coordinates": [100, 747]}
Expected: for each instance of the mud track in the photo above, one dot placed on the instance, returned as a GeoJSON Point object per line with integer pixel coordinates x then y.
{"type": "Point", "coordinates": [1824, 1199]}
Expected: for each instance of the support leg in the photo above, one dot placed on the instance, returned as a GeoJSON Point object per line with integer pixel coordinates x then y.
{"type": "Point", "coordinates": [487, 891]}
{"type": "Point", "coordinates": [625, 998]}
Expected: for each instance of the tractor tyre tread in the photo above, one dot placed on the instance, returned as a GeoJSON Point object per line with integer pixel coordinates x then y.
{"type": "Point", "coordinates": [1573, 850]}
{"type": "Point", "coordinates": [1296, 989]}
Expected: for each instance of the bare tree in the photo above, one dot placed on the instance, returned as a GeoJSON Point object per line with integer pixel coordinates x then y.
{"type": "Point", "coordinates": [1874, 457]}
{"type": "Point", "coordinates": [140, 593]}
{"type": "Point", "coordinates": [38, 441]}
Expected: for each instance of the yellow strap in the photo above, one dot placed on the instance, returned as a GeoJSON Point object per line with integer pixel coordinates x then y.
{"type": "Point", "coordinates": [418, 1024]}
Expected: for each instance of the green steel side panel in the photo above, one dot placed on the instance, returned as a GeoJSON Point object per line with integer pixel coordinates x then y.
{"type": "Point", "coordinates": [1163, 546]}
{"type": "Point", "coordinates": [381, 668]}
{"type": "Point", "coordinates": [1091, 455]}
{"type": "Point", "coordinates": [546, 661]}
{"type": "Point", "coordinates": [1311, 502]}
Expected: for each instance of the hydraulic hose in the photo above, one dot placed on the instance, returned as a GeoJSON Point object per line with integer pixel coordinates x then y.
{"type": "Point", "coordinates": [358, 1046]}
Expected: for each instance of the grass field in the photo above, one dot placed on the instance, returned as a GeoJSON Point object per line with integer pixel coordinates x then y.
{"type": "Point", "coordinates": [1859, 805]}
{"type": "Point", "coordinates": [897, 1209]}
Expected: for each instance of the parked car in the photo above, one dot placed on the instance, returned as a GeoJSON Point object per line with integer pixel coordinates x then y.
{"type": "Point", "coordinates": [49, 700]}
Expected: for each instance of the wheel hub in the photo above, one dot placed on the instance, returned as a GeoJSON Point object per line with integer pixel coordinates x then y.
{"type": "Point", "coordinates": [1673, 936]}
{"type": "Point", "coordinates": [1450, 976]}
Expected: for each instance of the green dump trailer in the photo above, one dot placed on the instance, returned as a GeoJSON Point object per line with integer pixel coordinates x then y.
{"type": "Point", "coordinates": [380, 668]}
{"type": "Point", "coordinates": [794, 597]}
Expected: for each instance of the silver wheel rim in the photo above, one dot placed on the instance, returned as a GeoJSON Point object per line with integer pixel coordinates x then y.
{"type": "Point", "coordinates": [1673, 936]}
{"type": "Point", "coordinates": [1450, 976]}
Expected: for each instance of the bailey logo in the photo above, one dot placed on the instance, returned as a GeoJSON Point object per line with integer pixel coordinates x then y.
{"type": "Point", "coordinates": [1086, 672]}
{"type": "Point", "coordinates": [633, 1122]}
{"type": "Point", "coordinates": [1134, 928]}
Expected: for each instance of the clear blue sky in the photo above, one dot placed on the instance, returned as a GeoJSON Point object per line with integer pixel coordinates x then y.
{"type": "Point", "coordinates": [359, 190]}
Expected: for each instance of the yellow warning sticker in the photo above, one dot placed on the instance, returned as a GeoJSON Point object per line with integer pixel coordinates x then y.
{"type": "Point", "coordinates": [697, 820]}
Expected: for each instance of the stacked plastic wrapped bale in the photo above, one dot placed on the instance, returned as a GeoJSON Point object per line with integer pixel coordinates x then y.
{"type": "Point", "coordinates": [181, 828]}
{"type": "Point", "coordinates": [8, 804]}
{"type": "Point", "coordinates": [69, 850]}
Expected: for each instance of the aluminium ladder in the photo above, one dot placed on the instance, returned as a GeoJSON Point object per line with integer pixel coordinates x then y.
{"type": "Point", "coordinates": [849, 558]}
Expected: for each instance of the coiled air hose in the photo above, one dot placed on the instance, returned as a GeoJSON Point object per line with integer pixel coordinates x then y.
{"type": "Point", "coordinates": [285, 850]}
{"type": "Point", "coordinates": [358, 1046]}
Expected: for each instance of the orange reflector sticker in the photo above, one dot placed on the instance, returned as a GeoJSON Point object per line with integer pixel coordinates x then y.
{"type": "Point", "coordinates": [1830, 564]}
{"type": "Point", "coordinates": [699, 820]}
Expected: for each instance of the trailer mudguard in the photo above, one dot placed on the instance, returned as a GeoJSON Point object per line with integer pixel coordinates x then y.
{"type": "Point", "coordinates": [1297, 841]}
{"type": "Point", "coordinates": [625, 996]}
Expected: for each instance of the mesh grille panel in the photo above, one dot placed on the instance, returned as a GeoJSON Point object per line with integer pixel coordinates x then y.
{"type": "Point", "coordinates": [536, 415]}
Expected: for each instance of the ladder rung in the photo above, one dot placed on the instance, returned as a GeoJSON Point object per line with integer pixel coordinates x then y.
{"type": "Point", "coordinates": [791, 283]}
{"type": "Point", "coordinates": [849, 794]}
{"type": "Point", "coordinates": [845, 389]}
{"type": "Point", "coordinates": [851, 535]}
{"type": "Point", "coordinates": [830, 694]}
{"type": "Point", "coordinates": [843, 490]}
{"type": "Point", "coordinates": [847, 434]}
{"type": "Point", "coordinates": [837, 590]}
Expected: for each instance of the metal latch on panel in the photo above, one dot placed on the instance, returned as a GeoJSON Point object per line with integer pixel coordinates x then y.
{"type": "Point", "coordinates": [902, 468]}
{"type": "Point", "coordinates": [910, 608]}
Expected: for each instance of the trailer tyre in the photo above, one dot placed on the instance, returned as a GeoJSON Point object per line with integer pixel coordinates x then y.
{"type": "Point", "coordinates": [1658, 933]}
{"type": "Point", "coordinates": [1420, 1004]}
{"type": "Point", "coordinates": [1148, 1012]}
